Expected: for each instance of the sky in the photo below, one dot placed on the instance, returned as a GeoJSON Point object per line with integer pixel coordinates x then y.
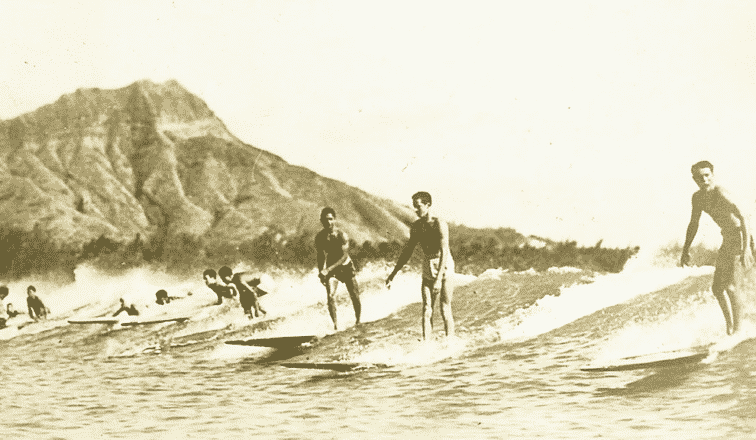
{"type": "Point", "coordinates": [570, 120]}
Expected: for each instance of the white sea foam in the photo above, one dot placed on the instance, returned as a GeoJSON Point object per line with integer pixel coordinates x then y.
{"type": "Point", "coordinates": [551, 312]}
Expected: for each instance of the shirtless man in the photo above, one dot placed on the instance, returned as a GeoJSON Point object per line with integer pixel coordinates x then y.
{"type": "Point", "coordinates": [37, 309]}
{"type": "Point", "coordinates": [3, 314]}
{"type": "Point", "coordinates": [247, 288]}
{"type": "Point", "coordinates": [332, 246]}
{"type": "Point", "coordinates": [715, 201]}
{"type": "Point", "coordinates": [433, 235]}
{"type": "Point", "coordinates": [222, 290]}
{"type": "Point", "coordinates": [130, 310]}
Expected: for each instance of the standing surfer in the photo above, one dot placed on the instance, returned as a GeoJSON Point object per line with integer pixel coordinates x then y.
{"type": "Point", "coordinates": [433, 235]}
{"type": "Point", "coordinates": [715, 201]}
{"type": "Point", "coordinates": [332, 246]}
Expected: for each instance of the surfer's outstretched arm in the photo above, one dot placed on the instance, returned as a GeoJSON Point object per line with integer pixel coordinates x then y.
{"type": "Point", "coordinates": [403, 258]}
{"type": "Point", "coordinates": [690, 233]}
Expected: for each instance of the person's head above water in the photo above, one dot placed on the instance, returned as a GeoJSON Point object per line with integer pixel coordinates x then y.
{"type": "Point", "coordinates": [162, 297]}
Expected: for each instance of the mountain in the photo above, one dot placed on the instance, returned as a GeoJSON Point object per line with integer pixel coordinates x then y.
{"type": "Point", "coordinates": [153, 159]}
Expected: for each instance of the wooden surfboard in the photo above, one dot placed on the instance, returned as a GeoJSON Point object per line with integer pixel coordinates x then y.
{"type": "Point", "coordinates": [342, 367]}
{"type": "Point", "coordinates": [653, 360]}
{"type": "Point", "coordinates": [278, 342]}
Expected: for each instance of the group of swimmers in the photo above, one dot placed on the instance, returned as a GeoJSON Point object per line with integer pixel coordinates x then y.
{"type": "Point", "coordinates": [36, 308]}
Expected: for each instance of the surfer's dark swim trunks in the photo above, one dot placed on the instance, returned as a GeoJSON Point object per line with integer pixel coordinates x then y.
{"type": "Point", "coordinates": [343, 273]}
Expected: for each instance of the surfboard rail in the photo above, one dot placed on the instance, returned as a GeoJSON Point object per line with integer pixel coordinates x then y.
{"type": "Point", "coordinates": [664, 359]}
{"type": "Point", "coordinates": [154, 321]}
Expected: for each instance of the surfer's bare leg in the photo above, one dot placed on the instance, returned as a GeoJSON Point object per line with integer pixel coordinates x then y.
{"type": "Point", "coordinates": [354, 294]}
{"type": "Point", "coordinates": [331, 292]}
{"type": "Point", "coordinates": [428, 302]}
{"type": "Point", "coordinates": [724, 290]}
{"type": "Point", "coordinates": [447, 290]}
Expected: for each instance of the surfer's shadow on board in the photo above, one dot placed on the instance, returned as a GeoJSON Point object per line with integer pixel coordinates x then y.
{"type": "Point", "coordinates": [660, 380]}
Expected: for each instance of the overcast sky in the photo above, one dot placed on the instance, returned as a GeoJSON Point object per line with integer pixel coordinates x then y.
{"type": "Point", "coordinates": [571, 120]}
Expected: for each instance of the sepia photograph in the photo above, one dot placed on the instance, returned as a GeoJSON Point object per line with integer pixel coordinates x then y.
{"type": "Point", "coordinates": [335, 219]}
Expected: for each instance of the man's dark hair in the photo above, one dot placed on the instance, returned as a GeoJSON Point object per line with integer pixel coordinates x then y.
{"type": "Point", "coordinates": [161, 294]}
{"type": "Point", "coordinates": [327, 210]}
{"type": "Point", "coordinates": [423, 197]}
{"type": "Point", "coordinates": [225, 271]}
{"type": "Point", "coordinates": [3, 290]}
{"type": "Point", "coordinates": [32, 288]}
{"type": "Point", "coordinates": [210, 272]}
{"type": "Point", "coordinates": [700, 165]}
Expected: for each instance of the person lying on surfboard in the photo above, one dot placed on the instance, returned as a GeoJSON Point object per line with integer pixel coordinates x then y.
{"type": "Point", "coordinates": [37, 309]}
{"type": "Point", "coordinates": [130, 310]}
{"type": "Point", "coordinates": [223, 290]}
{"type": "Point", "coordinates": [248, 290]}
{"type": "Point", "coordinates": [432, 234]}
{"type": "Point", "coordinates": [737, 243]}
{"type": "Point", "coordinates": [332, 246]}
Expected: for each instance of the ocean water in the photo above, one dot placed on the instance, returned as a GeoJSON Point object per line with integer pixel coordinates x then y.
{"type": "Point", "coordinates": [513, 371]}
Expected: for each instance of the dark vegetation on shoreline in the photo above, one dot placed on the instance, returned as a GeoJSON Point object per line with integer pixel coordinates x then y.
{"type": "Point", "coordinates": [474, 250]}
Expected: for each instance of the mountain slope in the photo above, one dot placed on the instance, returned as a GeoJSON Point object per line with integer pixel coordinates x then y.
{"type": "Point", "coordinates": [153, 159]}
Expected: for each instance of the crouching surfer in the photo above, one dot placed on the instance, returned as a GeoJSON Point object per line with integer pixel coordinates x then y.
{"type": "Point", "coordinates": [249, 289]}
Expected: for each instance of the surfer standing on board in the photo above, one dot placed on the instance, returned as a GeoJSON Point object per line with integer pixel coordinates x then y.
{"type": "Point", "coordinates": [433, 235]}
{"type": "Point", "coordinates": [332, 246]}
{"type": "Point", "coordinates": [715, 201]}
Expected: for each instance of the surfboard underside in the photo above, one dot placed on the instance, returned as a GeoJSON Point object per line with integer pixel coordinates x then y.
{"type": "Point", "coordinates": [154, 321]}
{"type": "Point", "coordinates": [278, 342]}
{"type": "Point", "coordinates": [94, 321]}
{"type": "Point", "coordinates": [654, 360]}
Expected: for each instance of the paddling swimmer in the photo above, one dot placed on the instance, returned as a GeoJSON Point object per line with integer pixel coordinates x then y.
{"type": "Point", "coordinates": [162, 298]}
{"type": "Point", "coordinates": [432, 234]}
{"type": "Point", "coordinates": [249, 290]}
{"type": "Point", "coordinates": [12, 312]}
{"type": "Point", "coordinates": [332, 246]}
{"type": "Point", "coordinates": [37, 309]}
{"type": "Point", "coordinates": [737, 243]}
{"type": "Point", "coordinates": [221, 289]}
{"type": "Point", "coordinates": [130, 310]}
